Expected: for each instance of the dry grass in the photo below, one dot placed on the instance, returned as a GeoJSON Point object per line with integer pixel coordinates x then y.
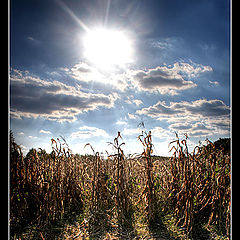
{"type": "Point", "coordinates": [200, 185]}
{"type": "Point", "coordinates": [121, 197]}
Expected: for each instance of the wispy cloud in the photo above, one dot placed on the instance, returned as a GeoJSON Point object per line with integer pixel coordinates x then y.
{"type": "Point", "coordinates": [86, 73]}
{"type": "Point", "coordinates": [34, 41]}
{"type": "Point", "coordinates": [33, 137]}
{"type": "Point", "coordinates": [169, 44]}
{"type": "Point", "coordinates": [121, 122]}
{"type": "Point", "coordinates": [214, 83]}
{"type": "Point", "coordinates": [131, 131]}
{"type": "Point", "coordinates": [132, 116]}
{"type": "Point", "coordinates": [44, 131]}
{"type": "Point", "coordinates": [20, 133]}
{"type": "Point", "coordinates": [86, 132]}
{"type": "Point", "coordinates": [131, 100]}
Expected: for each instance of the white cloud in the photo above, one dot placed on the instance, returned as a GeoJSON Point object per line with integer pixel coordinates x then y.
{"type": "Point", "coordinates": [33, 137]}
{"type": "Point", "coordinates": [191, 70]}
{"type": "Point", "coordinates": [86, 73]}
{"type": "Point", "coordinates": [131, 100]}
{"type": "Point", "coordinates": [132, 116]}
{"type": "Point", "coordinates": [86, 132]}
{"type": "Point", "coordinates": [197, 118]}
{"type": "Point", "coordinates": [170, 44]}
{"type": "Point", "coordinates": [137, 102]}
{"type": "Point", "coordinates": [131, 131]}
{"type": "Point", "coordinates": [160, 133]}
{"type": "Point", "coordinates": [20, 133]}
{"type": "Point", "coordinates": [214, 83]}
{"type": "Point", "coordinates": [44, 132]}
{"type": "Point", "coordinates": [121, 122]}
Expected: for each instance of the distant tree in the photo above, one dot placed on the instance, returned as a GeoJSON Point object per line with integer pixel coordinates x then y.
{"type": "Point", "coordinates": [31, 153]}
{"type": "Point", "coordinates": [15, 150]}
{"type": "Point", "coordinates": [223, 144]}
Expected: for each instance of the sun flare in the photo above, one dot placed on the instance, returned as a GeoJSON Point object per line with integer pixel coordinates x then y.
{"type": "Point", "coordinates": [108, 48]}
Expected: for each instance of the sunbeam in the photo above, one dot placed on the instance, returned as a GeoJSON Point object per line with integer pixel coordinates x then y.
{"type": "Point", "coordinates": [74, 17]}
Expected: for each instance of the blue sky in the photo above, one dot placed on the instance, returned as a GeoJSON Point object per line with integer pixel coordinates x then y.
{"type": "Point", "coordinates": [176, 79]}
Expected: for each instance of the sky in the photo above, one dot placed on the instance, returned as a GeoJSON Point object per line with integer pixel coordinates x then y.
{"type": "Point", "coordinates": [85, 70]}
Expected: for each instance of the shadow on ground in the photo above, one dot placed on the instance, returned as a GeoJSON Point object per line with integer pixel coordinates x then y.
{"type": "Point", "coordinates": [199, 233]}
{"type": "Point", "coordinates": [53, 230]}
{"type": "Point", "coordinates": [158, 230]}
{"type": "Point", "coordinates": [99, 225]}
{"type": "Point", "coordinates": [103, 226]}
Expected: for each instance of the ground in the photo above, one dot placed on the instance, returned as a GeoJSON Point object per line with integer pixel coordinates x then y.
{"type": "Point", "coordinates": [105, 227]}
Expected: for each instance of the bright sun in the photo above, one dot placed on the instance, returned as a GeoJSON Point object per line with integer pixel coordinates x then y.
{"type": "Point", "coordinates": [108, 48]}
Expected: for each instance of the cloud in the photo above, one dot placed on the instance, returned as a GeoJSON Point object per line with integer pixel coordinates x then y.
{"type": "Point", "coordinates": [31, 96]}
{"type": "Point", "coordinates": [132, 116]}
{"type": "Point", "coordinates": [207, 108]}
{"type": "Point", "coordinates": [198, 118]}
{"type": "Point", "coordinates": [137, 102]}
{"type": "Point", "coordinates": [81, 68]}
{"type": "Point", "coordinates": [86, 132]}
{"type": "Point", "coordinates": [165, 44]}
{"type": "Point", "coordinates": [194, 129]}
{"type": "Point", "coordinates": [161, 80]}
{"type": "Point", "coordinates": [131, 131]}
{"type": "Point", "coordinates": [44, 132]}
{"type": "Point", "coordinates": [191, 70]}
{"type": "Point", "coordinates": [20, 133]}
{"type": "Point", "coordinates": [168, 79]}
{"type": "Point", "coordinates": [160, 133]}
{"type": "Point", "coordinates": [86, 73]}
{"type": "Point", "coordinates": [33, 137]}
{"type": "Point", "coordinates": [203, 108]}
{"type": "Point", "coordinates": [160, 110]}
{"type": "Point", "coordinates": [34, 41]}
{"type": "Point", "coordinates": [131, 100]}
{"type": "Point", "coordinates": [121, 122]}
{"type": "Point", "coordinates": [214, 83]}
{"type": "Point", "coordinates": [205, 127]}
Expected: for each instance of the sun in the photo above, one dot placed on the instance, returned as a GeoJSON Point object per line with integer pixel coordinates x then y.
{"type": "Point", "coordinates": [108, 48]}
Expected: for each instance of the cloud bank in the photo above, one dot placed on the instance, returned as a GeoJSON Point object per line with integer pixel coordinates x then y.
{"type": "Point", "coordinates": [198, 118]}
{"type": "Point", "coordinates": [31, 96]}
{"type": "Point", "coordinates": [202, 108]}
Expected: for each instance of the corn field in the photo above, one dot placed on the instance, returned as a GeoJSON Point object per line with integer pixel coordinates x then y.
{"type": "Point", "coordinates": [191, 187]}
